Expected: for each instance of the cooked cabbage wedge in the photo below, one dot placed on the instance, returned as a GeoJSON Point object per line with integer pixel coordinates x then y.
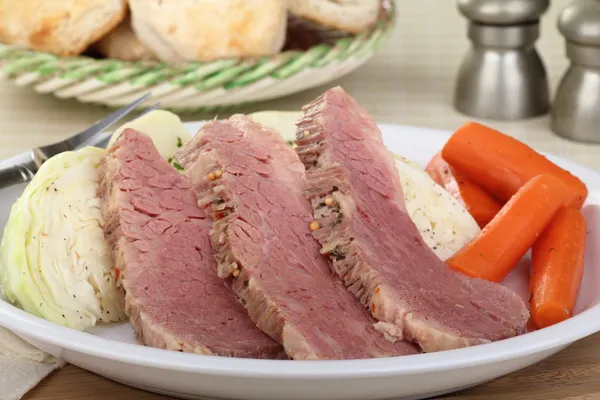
{"type": "Point", "coordinates": [164, 128]}
{"type": "Point", "coordinates": [444, 224]}
{"type": "Point", "coordinates": [54, 260]}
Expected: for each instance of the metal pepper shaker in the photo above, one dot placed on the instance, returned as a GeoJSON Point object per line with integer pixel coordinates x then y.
{"type": "Point", "coordinates": [502, 76]}
{"type": "Point", "coordinates": [576, 111]}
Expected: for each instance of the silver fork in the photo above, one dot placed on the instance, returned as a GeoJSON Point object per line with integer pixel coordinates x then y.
{"type": "Point", "coordinates": [23, 167]}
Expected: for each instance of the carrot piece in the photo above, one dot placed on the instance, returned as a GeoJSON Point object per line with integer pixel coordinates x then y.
{"type": "Point", "coordinates": [501, 164]}
{"type": "Point", "coordinates": [557, 268]}
{"type": "Point", "coordinates": [481, 205]}
{"type": "Point", "coordinates": [504, 241]}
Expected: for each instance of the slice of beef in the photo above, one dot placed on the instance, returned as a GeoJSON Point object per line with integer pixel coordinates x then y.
{"type": "Point", "coordinates": [376, 249]}
{"type": "Point", "coordinates": [252, 183]}
{"type": "Point", "coordinates": [160, 242]}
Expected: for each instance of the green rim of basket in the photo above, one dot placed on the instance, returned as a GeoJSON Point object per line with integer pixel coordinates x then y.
{"type": "Point", "coordinates": [202, 76]}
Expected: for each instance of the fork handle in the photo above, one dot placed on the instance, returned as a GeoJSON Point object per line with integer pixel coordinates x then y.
{"type": "Point", "coordinates": [16, 170]}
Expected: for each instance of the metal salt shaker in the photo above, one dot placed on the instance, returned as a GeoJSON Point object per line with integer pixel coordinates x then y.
{"type": "Point", "coordinates": [502, 76]}
{"type": "Point", "coordinates": [576, 110]}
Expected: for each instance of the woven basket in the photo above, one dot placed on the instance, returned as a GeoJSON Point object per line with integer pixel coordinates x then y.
{"type": "Point", "coordinates": [198, 86]}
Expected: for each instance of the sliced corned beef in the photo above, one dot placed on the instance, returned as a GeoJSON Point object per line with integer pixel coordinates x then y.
{"type": "Point", "coordinates": [252, 183]}
{"type": "Point", "coordinates": [376, 249]}
{"type": "Point", "coordinates": [164, 261]}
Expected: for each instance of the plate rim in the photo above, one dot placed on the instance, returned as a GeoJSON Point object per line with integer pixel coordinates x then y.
{"type": "Point", "coordinates": [582, 325]}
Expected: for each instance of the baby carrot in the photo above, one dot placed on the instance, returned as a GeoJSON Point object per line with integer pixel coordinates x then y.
{"type": "Point", "coordinates": [481, 205]}
{"type": "Point", "coordinates": [504, 241]}
{"type": "Point", "coordinates": [501, 164]}
{"type": "Point", "coordinates": [557, 268]}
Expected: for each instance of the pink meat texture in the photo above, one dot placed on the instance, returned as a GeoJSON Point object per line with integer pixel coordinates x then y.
{"type": "Point", "coordinates": [357, 198]}
{"type": "Point", "coordinates": [161, 248]}
{"type": "Point", "coordinates": [252, 183]}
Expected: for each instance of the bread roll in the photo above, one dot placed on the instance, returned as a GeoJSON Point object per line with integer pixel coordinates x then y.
{"type": "Point", "coordinates": [123, 44]}
{"type": "Point", "coordinates": [204, 30]}
{"type": "Point", "coordinates": [346, 15]}
{"type": "Point", "coordinates": [63, 27]}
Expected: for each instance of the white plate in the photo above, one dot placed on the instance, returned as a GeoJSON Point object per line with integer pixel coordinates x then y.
{"type": "Point", "coordinates": [111, 350]}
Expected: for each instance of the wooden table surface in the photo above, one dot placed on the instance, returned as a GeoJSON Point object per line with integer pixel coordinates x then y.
{"type": "Point", "coordinates": [409, 82]}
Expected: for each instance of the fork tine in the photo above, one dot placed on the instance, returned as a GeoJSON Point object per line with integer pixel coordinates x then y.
{"type": "Point", "coordinates": [102, 125]}
{"type": "Point", "coordinates": [147, 110]}
{"type": "Point", "coordinates": [101, 140]}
